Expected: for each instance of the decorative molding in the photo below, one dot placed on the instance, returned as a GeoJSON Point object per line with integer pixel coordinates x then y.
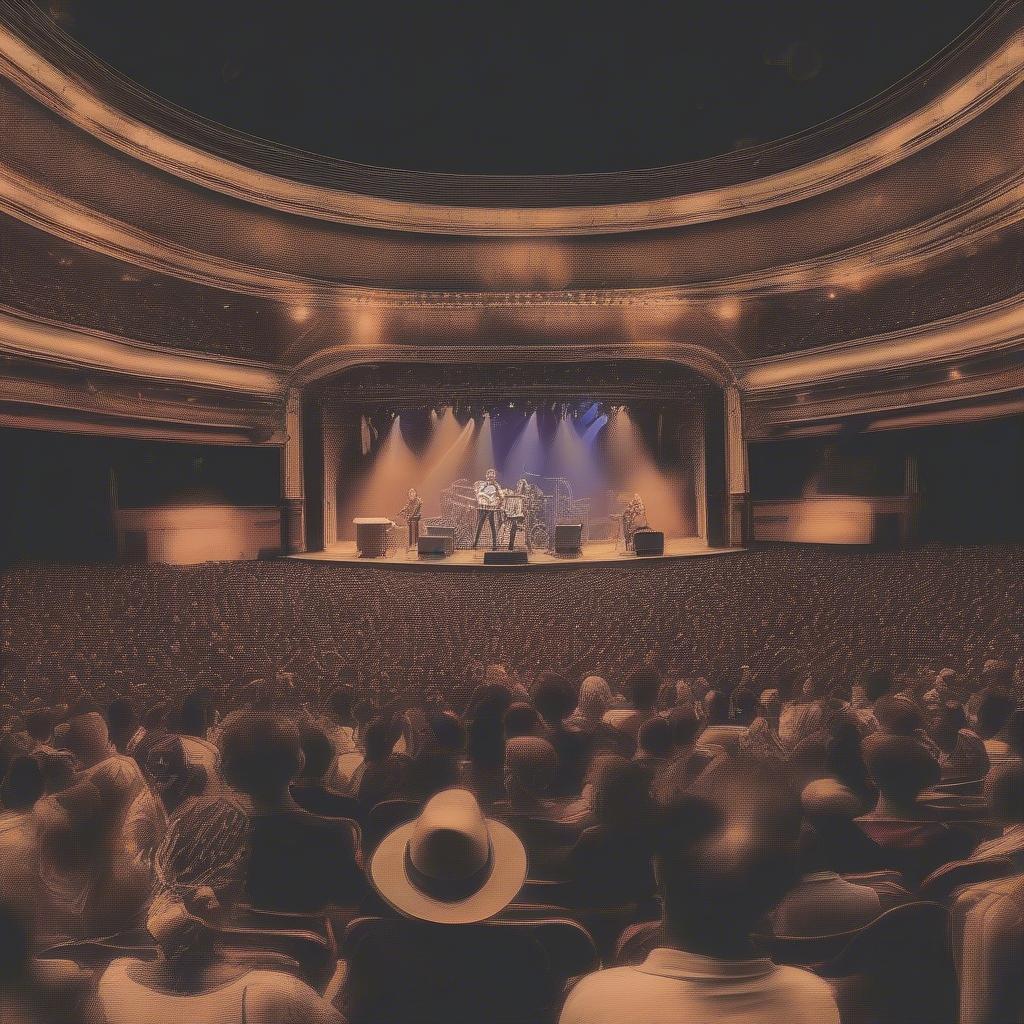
{"type": "Point", "coordinates": [990, 79]}
{"type": "Point", "coordinates": [990, 329]}
{"type": "Point", "coordinates": [959, 228]}
{"type": "Point", "coordinates": [338, 358]}
{"type": "Point", "coordinates": [48, 341]}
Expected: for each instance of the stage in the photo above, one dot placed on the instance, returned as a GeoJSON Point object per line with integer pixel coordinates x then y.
{"type": "Point", "coordinates": [596, 553]}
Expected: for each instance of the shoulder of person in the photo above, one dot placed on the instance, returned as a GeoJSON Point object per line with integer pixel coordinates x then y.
{"type": "Point", "coordinates": [276, 996]}
{"type": "Point", "coordinates": [809, 997]}
{"type": "Point", "coordinates": [589, 1003]}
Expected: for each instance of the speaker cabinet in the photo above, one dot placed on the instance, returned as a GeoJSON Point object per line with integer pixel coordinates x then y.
{"type": "Point", "coordinates": [568, 538]}
{"type": "Point", "coordinates": [504, 558]}
{"type": "Point", "coordinates": [430, 546]}
{"type": "Point", "coordinates": [648, 542]}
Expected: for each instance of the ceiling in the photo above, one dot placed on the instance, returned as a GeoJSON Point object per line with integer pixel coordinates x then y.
{"type": "Point", "coordinates": [503, 88]}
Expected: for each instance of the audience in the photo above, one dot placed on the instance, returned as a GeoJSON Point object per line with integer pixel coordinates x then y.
{"type": "Point", "coordinates": [186, 787]}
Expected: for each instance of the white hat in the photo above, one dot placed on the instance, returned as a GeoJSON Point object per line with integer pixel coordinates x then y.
{"type": "Point", "coordinates": [451, 865]}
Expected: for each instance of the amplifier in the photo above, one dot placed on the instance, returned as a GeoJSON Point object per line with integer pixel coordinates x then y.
{"type": "Point", "coordinates": [505, 558]}
{"type": "Point", "coordinates": [441, 531]}
{"type": "Point", "coordinates": [648, 542]}
{"type": "Point", "coordinates": [568, 538]}
{"type": "Point", "coordinates": [429, 546]}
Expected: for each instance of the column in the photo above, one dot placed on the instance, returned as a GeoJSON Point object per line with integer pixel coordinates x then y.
{"type": "Point", "coordinates": [294, 486]}
{"type": "Point", "coordinates": [331, 437]}
{"type": "Point", "coordinates": [737, 480]}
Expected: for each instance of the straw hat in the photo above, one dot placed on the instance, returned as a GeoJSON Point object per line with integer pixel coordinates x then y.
{"type": "Point", "coordinates": [451, 865]}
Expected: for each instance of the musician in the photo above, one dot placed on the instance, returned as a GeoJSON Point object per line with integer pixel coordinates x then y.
{"type": "Point", "coordinates": [488, 501]}
{"type": "Point", "coordinates": [634, 517]}
{"type": "Point", "coordinates": [411, 512]}
{"type": "Point", "coordinates": [514, 510]}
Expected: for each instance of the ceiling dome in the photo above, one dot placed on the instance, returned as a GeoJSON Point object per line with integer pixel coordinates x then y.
{"type": "Point", "coordinates": [570, 89]}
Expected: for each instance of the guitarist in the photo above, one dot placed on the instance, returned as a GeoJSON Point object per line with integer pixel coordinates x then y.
{"type": "Point", "coordinates": [488, 501]}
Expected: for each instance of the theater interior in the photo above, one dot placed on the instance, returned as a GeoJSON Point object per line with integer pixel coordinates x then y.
{"type": "Point", "coordinates": [512, 515]}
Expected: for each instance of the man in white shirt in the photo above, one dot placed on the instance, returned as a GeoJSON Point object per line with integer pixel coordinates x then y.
{"type": "Point", "coordinates": [719, 870]}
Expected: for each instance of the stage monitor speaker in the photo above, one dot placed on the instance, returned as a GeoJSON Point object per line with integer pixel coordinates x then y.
{"type": "Point", "coordinates": [429, 546]}
{"type": "Point", "coordinates": [648, 542]}
{"type": "Point", "coordinates": [568, 538]}
{"type": "Point", "coordinates": [504, 558]}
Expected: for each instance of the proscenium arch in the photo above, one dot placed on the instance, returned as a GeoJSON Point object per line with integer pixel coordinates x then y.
{"type": "Point", "coordinates": [337, 359]}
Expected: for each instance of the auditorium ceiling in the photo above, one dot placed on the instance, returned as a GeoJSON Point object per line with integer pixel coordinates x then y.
{"type": "Point", "coordinates": [870, 228]}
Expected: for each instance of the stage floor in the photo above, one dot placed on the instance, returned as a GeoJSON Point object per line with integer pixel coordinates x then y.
{"type": "Point", "coordinates": [595, 553]}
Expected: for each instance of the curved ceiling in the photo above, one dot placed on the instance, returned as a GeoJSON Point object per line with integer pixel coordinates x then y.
{"type": "Point", "coordinates": [505, 89]}
{"type": "Point", "coordinates": [885, 242]}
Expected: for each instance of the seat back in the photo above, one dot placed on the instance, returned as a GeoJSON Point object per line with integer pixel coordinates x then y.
{"type": "Point", "coordinates": [383, 818]}
{"type": "Point", "coordinates": [636, 941]}
{"type": "Point", "coordinates": [502, 971]}
{"type": "Point", "coordinates": [941, 885]}
{"type": "Point", "coordinates": [899, 968]}
{"type": "Point", "coordinates": [313, 950]}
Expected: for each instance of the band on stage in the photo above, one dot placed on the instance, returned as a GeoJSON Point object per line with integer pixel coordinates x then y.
{"type": "Point", "coordinates": [517, 508]}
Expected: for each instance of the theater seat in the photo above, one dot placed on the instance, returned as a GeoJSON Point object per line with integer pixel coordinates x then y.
{"type": "Point", "coordinates": [637, 941]}
{"type": "Point", "coordinates": [501, 971]}
{"type": "Point", "coordinates": [898, 969]}
{"type": "Point", "coordinates": [313, 950]}
{"type": "Point", "coordinates": [383, 818]}
{"type": "Point", "coordinates": [941, 885]}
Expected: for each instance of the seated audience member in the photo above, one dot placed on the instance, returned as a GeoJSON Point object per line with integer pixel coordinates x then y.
{"type": "Point", "coordinates": [689, 757]}
{"type": "Point", "coordinates": [610, 863]}
{"type": "Point", "coordinates": [1004, 793]}
{"type": "Point", "coordinates": [547, 826]}
{"type": "Point", "coordinates": [197, 718]}
{"type": "Point", "coordinates": [22, 786]}
{"type": "Point", "coordinates": [449, 868]}
{"type": "Point", "coordinates": [719, 729]}
{"type": "Point", "coordinates": [485, 742]}
{"type": "Point", "coordinates": [802, 715]}
{"type": "Point", "coordinates": [909, 838]}
{"type": "Point", "coordinates": [654, 746]}
{"type": "Point", "coordinates": [194, 980]}
{"type": "Point", "coordinates": [93, 883]}
{"type": "Point", "coordinates": [309, 789]}
{"type": "Point", "coordinates": [761, 739]}
{"type": "Point", "coordinates": [122, 721]}
{"type": "Point", "coordinates": [947, 687]}
{"type": "Point", "coordinates": [994, 711]}
{"type": "Point", "coordinates": [822, 902]}
{"type": "Point", "coordinates": [522, 719]}
{"type": "Point", "coordinates": [717, 877]}
{"type": "Point", "coordinates": [846, 790]}
{"type": "Point", "coordinates": [429, 772]}
{"type": "Point", "coordinates": [152, 730]}
{"type": "Point", "coordinates": [987, 931]}
{"type": "Point", "coordinates": [38, 991]}
{"type": "Point", "coordinates": [554, 700]}
{"type": "Point", "coordinates": [962, 755]}
{"type": "Point", "coordinates": [876, 685]}
{"type": "Point", "coordinates": [595, 698]}
{"type": "Point", "coordinates": [642, 692]}
{"type": "Point", "coordinates": [383, 775]}
{"type": "Point", "coordinates": [339, 721]}
{"type": "Point", "coordinates": [297, 860]}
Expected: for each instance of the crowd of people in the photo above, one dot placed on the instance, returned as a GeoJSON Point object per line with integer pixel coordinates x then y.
{"type": "Point", "coordinates": [150, 632]}
{"type": "Point", "coordinates": [214, 808]}
{"type": "Point", "coordinates": [157, 861]}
